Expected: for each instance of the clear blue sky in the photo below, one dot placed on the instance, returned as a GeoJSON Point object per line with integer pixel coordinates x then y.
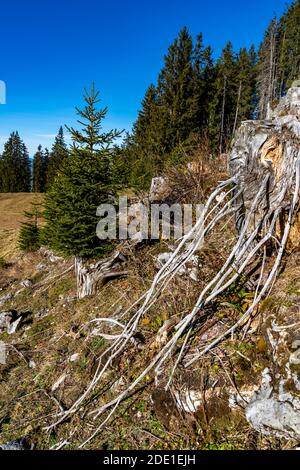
{"type": "Point", "coordinates": [51, 49]}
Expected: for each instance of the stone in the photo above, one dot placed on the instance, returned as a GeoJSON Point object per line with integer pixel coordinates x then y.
{"type": "Point", "coordinates": [26, 283]}
{"type": "Point", "coordinates": [5, 298]}
{"type": "Point", "coordinates": [74, 357]}
{"type": "Point", "coordinates": [18, 444]}
{"type": "Point", "coordinates": [270, 416]}
{"type": "Point", "coordinates": [12, 328]}
{"type": "Point", "coordinates": [59, 382]}
{"type": "Point", "coordinates": [32, 364]}
{"type": "Point", "coordinates": [6, 319]}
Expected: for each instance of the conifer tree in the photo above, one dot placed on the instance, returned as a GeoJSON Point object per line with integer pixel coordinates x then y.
{"type": "Point", "coordinates": [29, 236]}
{"type": "Point", "coordinates": [176, 89]}
{"type": "Point", "coordinates": [15, 166]}
{"type": "Point", "coordinates": [57, 155]}
{"type": "Point", "coordinates": [84, 181]}
{"type": "Point", "coordinates": [246, 80]}
{"type": "Point", "coordinates": [174, 111]}
{"type": "Point", "coordinates": [146, 149]}
{"type": "Point", "coordinates": [39, 170]}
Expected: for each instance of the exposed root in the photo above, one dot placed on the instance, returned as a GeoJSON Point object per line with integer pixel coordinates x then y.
{"type": "Point", "coordinates": [253, 241]}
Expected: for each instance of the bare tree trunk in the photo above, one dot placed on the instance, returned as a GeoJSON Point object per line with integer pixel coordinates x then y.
{"type": "Point", "coordinates": [223, 116]}
{"type": "Point", "coordinates": [237, 108]}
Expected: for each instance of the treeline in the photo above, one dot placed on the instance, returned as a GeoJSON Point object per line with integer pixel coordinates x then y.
{"type": "Point", "coordinates": [19, 174]}
{"type": "Point", "coordinates": [196, 94]}
{"type": "Point", "coordinates": [279, 58]}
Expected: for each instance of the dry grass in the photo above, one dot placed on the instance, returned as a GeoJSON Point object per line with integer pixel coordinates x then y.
{"type": "Point", "coordinates": [27, 403]}
{"type": "Point", "coordinates": [12, 207]}
{"type": "Point", "coordinates": [192, 182]}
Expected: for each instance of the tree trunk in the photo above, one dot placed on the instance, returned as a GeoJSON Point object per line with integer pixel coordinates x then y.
{"type": "Point", "coordinates": [223, 117]}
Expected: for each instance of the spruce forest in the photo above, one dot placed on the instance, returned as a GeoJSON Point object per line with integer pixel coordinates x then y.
{"type": "Point", "coordinates": [195, 95]}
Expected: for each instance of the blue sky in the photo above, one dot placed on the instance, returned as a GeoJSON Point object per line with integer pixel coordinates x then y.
{"type": "Point", "coordinates": [51, 50]}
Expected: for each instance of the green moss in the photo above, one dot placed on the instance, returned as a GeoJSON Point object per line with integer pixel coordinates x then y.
{"type": "Point", "coordinates": [96, 344]}
{"type": "Point", "coordinates": [3, 263]}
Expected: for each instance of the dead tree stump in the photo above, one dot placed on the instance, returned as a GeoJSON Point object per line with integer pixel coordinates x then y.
{"type": "Point", "coordinates": [92, 276]}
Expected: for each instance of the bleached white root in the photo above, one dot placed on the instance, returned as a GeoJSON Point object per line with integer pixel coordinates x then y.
{"type": "Point", "coordinates": [250, 243]}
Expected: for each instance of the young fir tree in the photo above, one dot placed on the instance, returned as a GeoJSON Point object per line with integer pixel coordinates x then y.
{"type": "Point", "coordinates": [29, 236]}
{"type": "Point", "coordinates": [57, 155]}
{"type": "Point", "coordinates": [84, 181]}
{"type": "Point", "coordinates": [39, 170]}
{"type": "Point", "coordinates": [15, 166]}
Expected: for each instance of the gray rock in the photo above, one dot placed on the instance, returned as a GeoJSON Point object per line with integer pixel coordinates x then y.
{"type": "Point", "coordinates": [18, 444]}
{"type": "Point", "coordinates": [6, 319]}
{"type": "Point", "coordinates": [9, 321]}
{"type": "Point", "coordinates": [5, 298]}
{"type": "Point", "coordinates": [42, 313]}
{"type": "Point", "coordinates": [273, 417]}
{"type": "Point", "coordinates": [12, 328]}
{"type": "Point", "coordinates": [26, 283]}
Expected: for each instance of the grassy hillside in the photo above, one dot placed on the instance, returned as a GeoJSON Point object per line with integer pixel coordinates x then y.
{"type": "Point", "coordinates": [12, 207]}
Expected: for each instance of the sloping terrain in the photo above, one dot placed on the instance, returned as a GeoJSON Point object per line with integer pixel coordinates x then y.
{"type": "Point", "coordinates": [12, 207]}
{"type": "Point", "coordinates": [54, 353]}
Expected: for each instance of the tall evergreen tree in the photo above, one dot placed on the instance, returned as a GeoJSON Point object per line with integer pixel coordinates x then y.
{"type": "Point", "coordinates": [57, 155]}
{"type": "Point", "coordinates": [174, 111]}
{"type": "Point", "coordinates": [145, 150]}
{"type": "Point", "coordinates": [15, 166]}
{"type": "Point", "coordinates": [39, 170]}
{"type": "Point", "coordinates": [246, 81]}
{"type": "Point", "coordinates": [84, 181]}
{"type": "Point", "coordinates": [179, 91]}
